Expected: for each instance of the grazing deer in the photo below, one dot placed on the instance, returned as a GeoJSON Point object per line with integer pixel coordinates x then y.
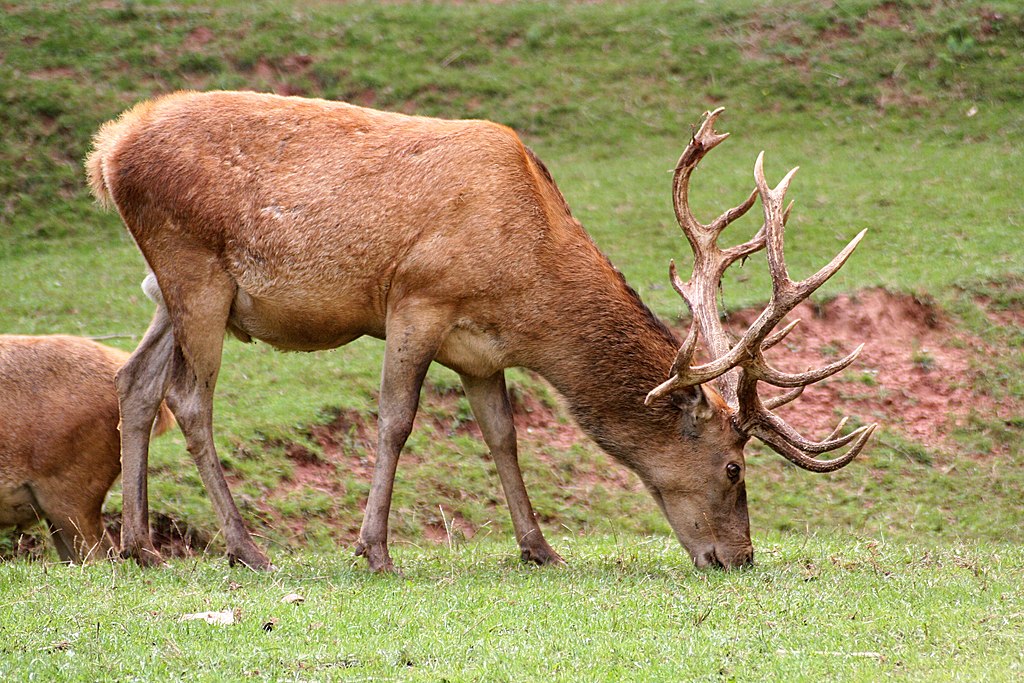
{"type": "Point", "coordinates": [308, 223]}
{"type": "Point", "coordinates": [59, 447]}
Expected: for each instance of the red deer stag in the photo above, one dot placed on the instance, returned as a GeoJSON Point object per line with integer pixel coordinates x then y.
{"type": "Point", "coordinates": [59, 448]}
{"type": "Point", "coordinates": [308, 223]}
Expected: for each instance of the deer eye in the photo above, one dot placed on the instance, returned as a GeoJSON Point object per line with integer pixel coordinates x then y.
{"type": "Point", "coordinates": [733, 471]}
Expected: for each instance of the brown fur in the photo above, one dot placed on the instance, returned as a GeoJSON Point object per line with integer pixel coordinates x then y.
{"type": "Point", "coordinates": [59, 450]}
{"type": "Point", "coordinates": [309, 223]}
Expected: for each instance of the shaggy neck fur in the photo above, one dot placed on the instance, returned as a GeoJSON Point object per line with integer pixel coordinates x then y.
{"type": "Point", "coordinates": [604, 350]}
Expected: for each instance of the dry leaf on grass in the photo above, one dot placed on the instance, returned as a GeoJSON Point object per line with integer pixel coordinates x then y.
{"type": "Point", "coordinates": [225, 618]}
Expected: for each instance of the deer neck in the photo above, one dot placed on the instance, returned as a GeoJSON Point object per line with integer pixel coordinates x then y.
{"type": "Point", "coordinates": [604, 350]}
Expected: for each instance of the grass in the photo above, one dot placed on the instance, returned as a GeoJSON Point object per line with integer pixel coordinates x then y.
{"type": "Point", "coordinates": [814, 608]}
{"type": "Point", "coordinates": [905, 118]}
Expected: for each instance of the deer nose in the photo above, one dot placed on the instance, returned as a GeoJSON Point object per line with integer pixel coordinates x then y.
{"type": "Point", "coordinates": [743, 558]}
{"type": "Point", "coordinates": [708, 559]}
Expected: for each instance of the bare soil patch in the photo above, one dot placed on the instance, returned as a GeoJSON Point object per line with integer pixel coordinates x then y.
{"type": "Point", "coordinates": [171, 537]}
{"type": "Point", "coordinates": [283, 76]}
{"type": "Point", "coordinates": [449, 530]}
{"type": "Point", "coordinates": [197, 38]}
{"type": "Point", "coordinates": [1009, 310]}
{"type": "Point", "coordinates": [886, 15]}
{"type": "Point", "coordinates": [52, 73]}
{"type": "Point", "coordinates": [914, 375]}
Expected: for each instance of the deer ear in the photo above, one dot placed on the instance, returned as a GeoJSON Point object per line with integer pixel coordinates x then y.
{"type": "Point", "coordinates": [696, 405]}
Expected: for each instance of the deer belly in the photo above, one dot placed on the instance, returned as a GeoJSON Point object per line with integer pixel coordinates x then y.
{"type": "Point", "coordinates": [294, 325]}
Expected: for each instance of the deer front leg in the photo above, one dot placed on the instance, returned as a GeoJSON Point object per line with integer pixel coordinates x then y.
{"type": "Point", "coordinates": [409, 348]}
{"type": "Point", "coordinates": [141, 385]}
{"type": "Point", "coordinates": [489, 399]}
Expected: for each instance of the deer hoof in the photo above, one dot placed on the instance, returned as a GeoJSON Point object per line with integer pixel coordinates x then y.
{"type": "Point", "coordinates": [145, 556]}
{"type": "Point", "coordinates": [543, 556]}
{"type": "Point", "coordinates": [378, 558]}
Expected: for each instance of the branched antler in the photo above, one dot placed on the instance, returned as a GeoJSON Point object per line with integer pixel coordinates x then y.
{"type": "Point", "coordinates": [753, 416]}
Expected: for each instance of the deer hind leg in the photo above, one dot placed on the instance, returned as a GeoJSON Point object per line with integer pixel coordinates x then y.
{"type": "Point", "coordinates": [200, 314]}
{"type": "Point", "coordinates": [141, 384]}
{"type": "Point", "coordinates": [411, 342]}
{"type": "Point", "coordinates": [63, 540]}
{"type": "Point", "coordinates": [79, 537]}
{"type": "Point", "coordinates": [74, 518]}
{"type": "Point", "coordinates": [70, 537]}
{"type": "Point", "coordinates": [489, 399]}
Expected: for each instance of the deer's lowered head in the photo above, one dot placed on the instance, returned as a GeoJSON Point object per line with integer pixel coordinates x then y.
{"type": "Point", "coordinates": [706, 505]}
{"type": "Point", "coordinates": [698, 480]}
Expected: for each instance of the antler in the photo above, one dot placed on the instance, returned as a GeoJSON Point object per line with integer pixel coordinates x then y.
{"type": "Point", "coordinates": [753, 416]}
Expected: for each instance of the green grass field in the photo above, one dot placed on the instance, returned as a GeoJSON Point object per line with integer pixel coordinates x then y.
{"type": "Point", "coordinates": [811, 609]}
{"type": "Point", "coordinates": [905, 117]}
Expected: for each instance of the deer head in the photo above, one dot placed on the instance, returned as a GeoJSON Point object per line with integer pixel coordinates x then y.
{"type": "Point", "coordinates": [711, 519]}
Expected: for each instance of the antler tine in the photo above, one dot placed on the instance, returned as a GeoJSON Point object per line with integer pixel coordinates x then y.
{"type": "Point", "coordinates": [756, 243]}
{"type": "Point", "coordinates": [761, 370]}
{"type": "Point", "coordinates": [732, 254]}
{"type": "Point", "coordinates": [702, 142]}
{"type": "Point", "coordinates": [682, 289]}
{"type": "Point", "coordinates": [685, 353]}
{"type": "Point", "coordinates": [800, 459]}
{"type": "Point", "coordinates": [783, 399]}
{"type": "Point", "coordinates": [728, 217]}
{"type": "Point", "coordinates": [804, 288]}
{"type": "Point", "coordinates": [838, 430]}
{"type": "Point", "coordinates": [774, 222]}
{"type": "Point", "coordinates": [783, 430]}
{"type": "Point", "coordinates": [775, 337]}
{"type": "Point", "coordinates": [790, 293]}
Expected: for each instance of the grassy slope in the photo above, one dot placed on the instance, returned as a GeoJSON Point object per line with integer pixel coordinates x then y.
{"type": "Point", "coordinates": [872, 100]}
{"type": "Point", "coordinates": [812, 609]}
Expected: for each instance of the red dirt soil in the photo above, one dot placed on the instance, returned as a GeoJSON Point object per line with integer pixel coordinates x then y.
{"type": "Point", "coordinates": [914, 374]}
